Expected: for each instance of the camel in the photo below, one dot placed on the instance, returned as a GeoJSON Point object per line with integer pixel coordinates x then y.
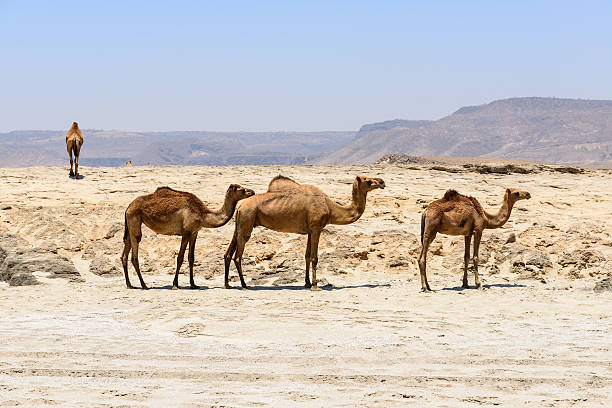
{"type": "Point", "coordinates": [74, 141]}
{"type": "Point", "coordinates": [172, 212]}
{"type": "Point", "coordinates": [300, 209]}
{"type": "Point", "coordinates": [128, 163]}
{"type": "Point", "coordinates": [456, 214]}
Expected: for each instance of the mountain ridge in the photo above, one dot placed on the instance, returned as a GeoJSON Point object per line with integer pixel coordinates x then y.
{"type": "Point", "coordinates": [566, 131]}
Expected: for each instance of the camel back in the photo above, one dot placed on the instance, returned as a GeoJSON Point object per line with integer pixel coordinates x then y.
{"type": "Point", "coordinates": [453, 195]}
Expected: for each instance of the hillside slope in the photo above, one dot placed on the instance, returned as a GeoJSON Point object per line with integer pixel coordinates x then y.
{"type": "Point", "coordinates": [566, 131]}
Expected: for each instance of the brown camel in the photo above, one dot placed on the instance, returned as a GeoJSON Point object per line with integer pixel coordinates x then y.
{"type": "Point", "coordinates": [74, 141]}
{"type": "Point", "coordinates": [128, 163]}
{"type": "Point", "coordinates": [456, 214]}
{"type": "Point", "coordinates": [172, 212]}
{"type": "Point", "coordinates": [300, 209]}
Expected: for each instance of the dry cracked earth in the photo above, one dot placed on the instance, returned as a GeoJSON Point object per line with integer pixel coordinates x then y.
{"type": "Point", "coordinates": [538, 334]}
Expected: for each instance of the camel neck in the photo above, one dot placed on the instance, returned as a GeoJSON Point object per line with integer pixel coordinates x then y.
{"type": "Point", "coordinates": [500, 217]}
{"type": "Point", "coordinates": [219, 218]}
{"type": "Point", "coordinates": [342, 215]}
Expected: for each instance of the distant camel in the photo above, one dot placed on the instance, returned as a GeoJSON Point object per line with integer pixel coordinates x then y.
{"type": "Point", "coordinates": [300, 209]}
{"type": "Point", "coordinates": [128, 163]}
{"type": "Point", "coordinates": [172, 212]}
{"type": "Point", "coordinates": [456, 214]}
{"type": "Point", "coordinates": [74, 141]}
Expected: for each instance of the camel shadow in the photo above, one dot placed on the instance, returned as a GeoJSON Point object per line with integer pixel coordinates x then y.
{"type": "Point", "coordinates": [493, 285]}
{"type": "Point", "coordinates": [169, 287]}
{"type": "Point", "coordinates": [327, 287]}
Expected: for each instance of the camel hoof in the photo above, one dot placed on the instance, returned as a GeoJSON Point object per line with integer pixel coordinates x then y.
{"type": "Point", "coordinates": [227, 286]}
{"type": "Point", "coordinates": [245, 288]}
{"type": "Point", "coordinates": [130, 287]}
{"type": "Point", "coordinates": [465, 285]}
{"type": "Point", "coordinates": [71, 174]}
{"type": "Point", "coordinates": [315, 288]}
{"type": "Point", "coordinates": [145, 288]}
{"type": "Point", "coordinates": [175, 287]}
{"type": "Point", "coordinates": [194, 286]}
{"type": "Point", "coordinates": [425, 290]}
{"type": "Point", "coordinates": [479, 286]}
{"type": "Point", "coordinates": [307, 285]}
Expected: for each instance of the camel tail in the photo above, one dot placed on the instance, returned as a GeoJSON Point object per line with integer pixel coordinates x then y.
{"type": "Point", "coordinates": [422, 225]}
{"type": "Point", "coordinates": [125, 228]}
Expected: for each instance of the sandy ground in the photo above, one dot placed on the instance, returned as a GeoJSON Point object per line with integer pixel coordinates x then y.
{"type": "Point", "coordinates": [537, 335]}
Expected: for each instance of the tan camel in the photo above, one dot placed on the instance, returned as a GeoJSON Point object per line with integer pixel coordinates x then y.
{"type": "Point", "coordinates": [172, 212]}
{"type": "Point", "coordinates": [456, 214]}
{"type": "Point", "coordinates": [300, 209]}
{"type": "Point", "coordinates": [74, 141]}
{"type": "Point", "coordinates": [128, 163]}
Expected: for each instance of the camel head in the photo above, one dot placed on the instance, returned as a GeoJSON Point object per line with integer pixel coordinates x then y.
{"type": "Point", "coordinates": [236, 192]}
{"type": "Point", "coordinates": [368, 184]}
{"type": "Point", "coordinates": [513, 195]}
{"type": "Point", "coordinates": [75, 125]}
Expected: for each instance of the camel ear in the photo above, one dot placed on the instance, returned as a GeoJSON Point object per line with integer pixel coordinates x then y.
{"type": "Point", "coordinates": [233, 187]}
{"type": "Point", "coordinates": [359, 179]}
{"type": "Point", "coordinates": [508, 191]}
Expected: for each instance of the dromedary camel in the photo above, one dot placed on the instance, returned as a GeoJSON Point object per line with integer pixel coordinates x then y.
{"type": "Point", "coordinates": [74, 141]}
{"type": "Point", "coordinates": [300, 209]}
{"type": "Point", "coordinates": [456, 214]}
{"type": "Point", "coordinates": [172, 212]}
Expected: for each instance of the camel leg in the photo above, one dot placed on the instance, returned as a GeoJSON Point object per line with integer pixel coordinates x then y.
{"type": "Point", "coordinates": [124, 261]}
{"type": "Point", "coordinates": [191, 258]}
{"type": "Point", "coordinates": [307, 258]}
{"type": "Point", "coordinates": [135, 241]}
{"type": "Point", "coordinates": [228, 257]}
{"type": "Point", "coordinates": [477, 236]}
{"type": "Point", "coordinates": [179, 260]}
{"type": "Point", "coordinates": [241, 241]}
{"type": "Point", "coordinates": [71, 162]}
{"type": "Point", "coordinates": [314, 257]}
{"type": "Point", "coordinates": [76, 166]}
{"type": "Point", "coordinates": [427, 240]}
{"type": "Point", "coordinates": [466, 260]}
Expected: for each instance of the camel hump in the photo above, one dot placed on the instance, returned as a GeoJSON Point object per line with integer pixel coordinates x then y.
{"type": "Point", "coordinates": [281, 177]}
{"type": "Point", "coordinates": [166, 188]}
{"type": "Point", "coordinates": [450, 195]}
{"type": "Point", "coordinates": [281, 182]}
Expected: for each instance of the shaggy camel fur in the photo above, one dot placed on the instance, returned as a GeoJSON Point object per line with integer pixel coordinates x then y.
{"type": "Point", "coordinates": [300, 209]}
{"type": "Point", "coordinates": [456, 214]}
{"type": "Point", "coordinates": [74, 141]}
{"type": "Point", "coordinates": [172, 212]}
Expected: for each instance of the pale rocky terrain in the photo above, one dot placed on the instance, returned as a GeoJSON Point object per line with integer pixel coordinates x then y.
{"type": "Point", "coordinates": [539, 334]}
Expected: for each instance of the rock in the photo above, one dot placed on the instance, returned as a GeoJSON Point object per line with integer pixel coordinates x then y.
{"type": "Point", "coordinates": [447, 169]}
{"type": "Point", "coordinates": [115, 228]}
{"type": "Point", "coordinates": [571, 170]}
{"type": "Point", "coordinates": [104, 266]}
{"type": "Point", "coordinates": [511, 238]}
{"type": "Point", "coordinates": [604, 285]}
{"type": "Point", "coordinates": [527, 262]}
{"type": "Point", "coordinates": [6, 207]}
{"type": "Point", "coordinates": [19, 262]}
{"type": "Point", "coordinates": [589, 261]}
{"type": "Point", "coordinates": [507, 169]}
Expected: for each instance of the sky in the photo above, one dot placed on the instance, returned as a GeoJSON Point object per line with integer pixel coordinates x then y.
{"type": "Point", "coordinates": [289, 65]}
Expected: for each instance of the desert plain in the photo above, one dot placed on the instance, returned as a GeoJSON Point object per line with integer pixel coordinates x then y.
{"type": "Point", "coordinates": [538, 334]}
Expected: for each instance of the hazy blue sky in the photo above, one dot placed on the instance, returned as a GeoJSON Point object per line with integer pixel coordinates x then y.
{"type": "Point", "coordinates": [289, 65]}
